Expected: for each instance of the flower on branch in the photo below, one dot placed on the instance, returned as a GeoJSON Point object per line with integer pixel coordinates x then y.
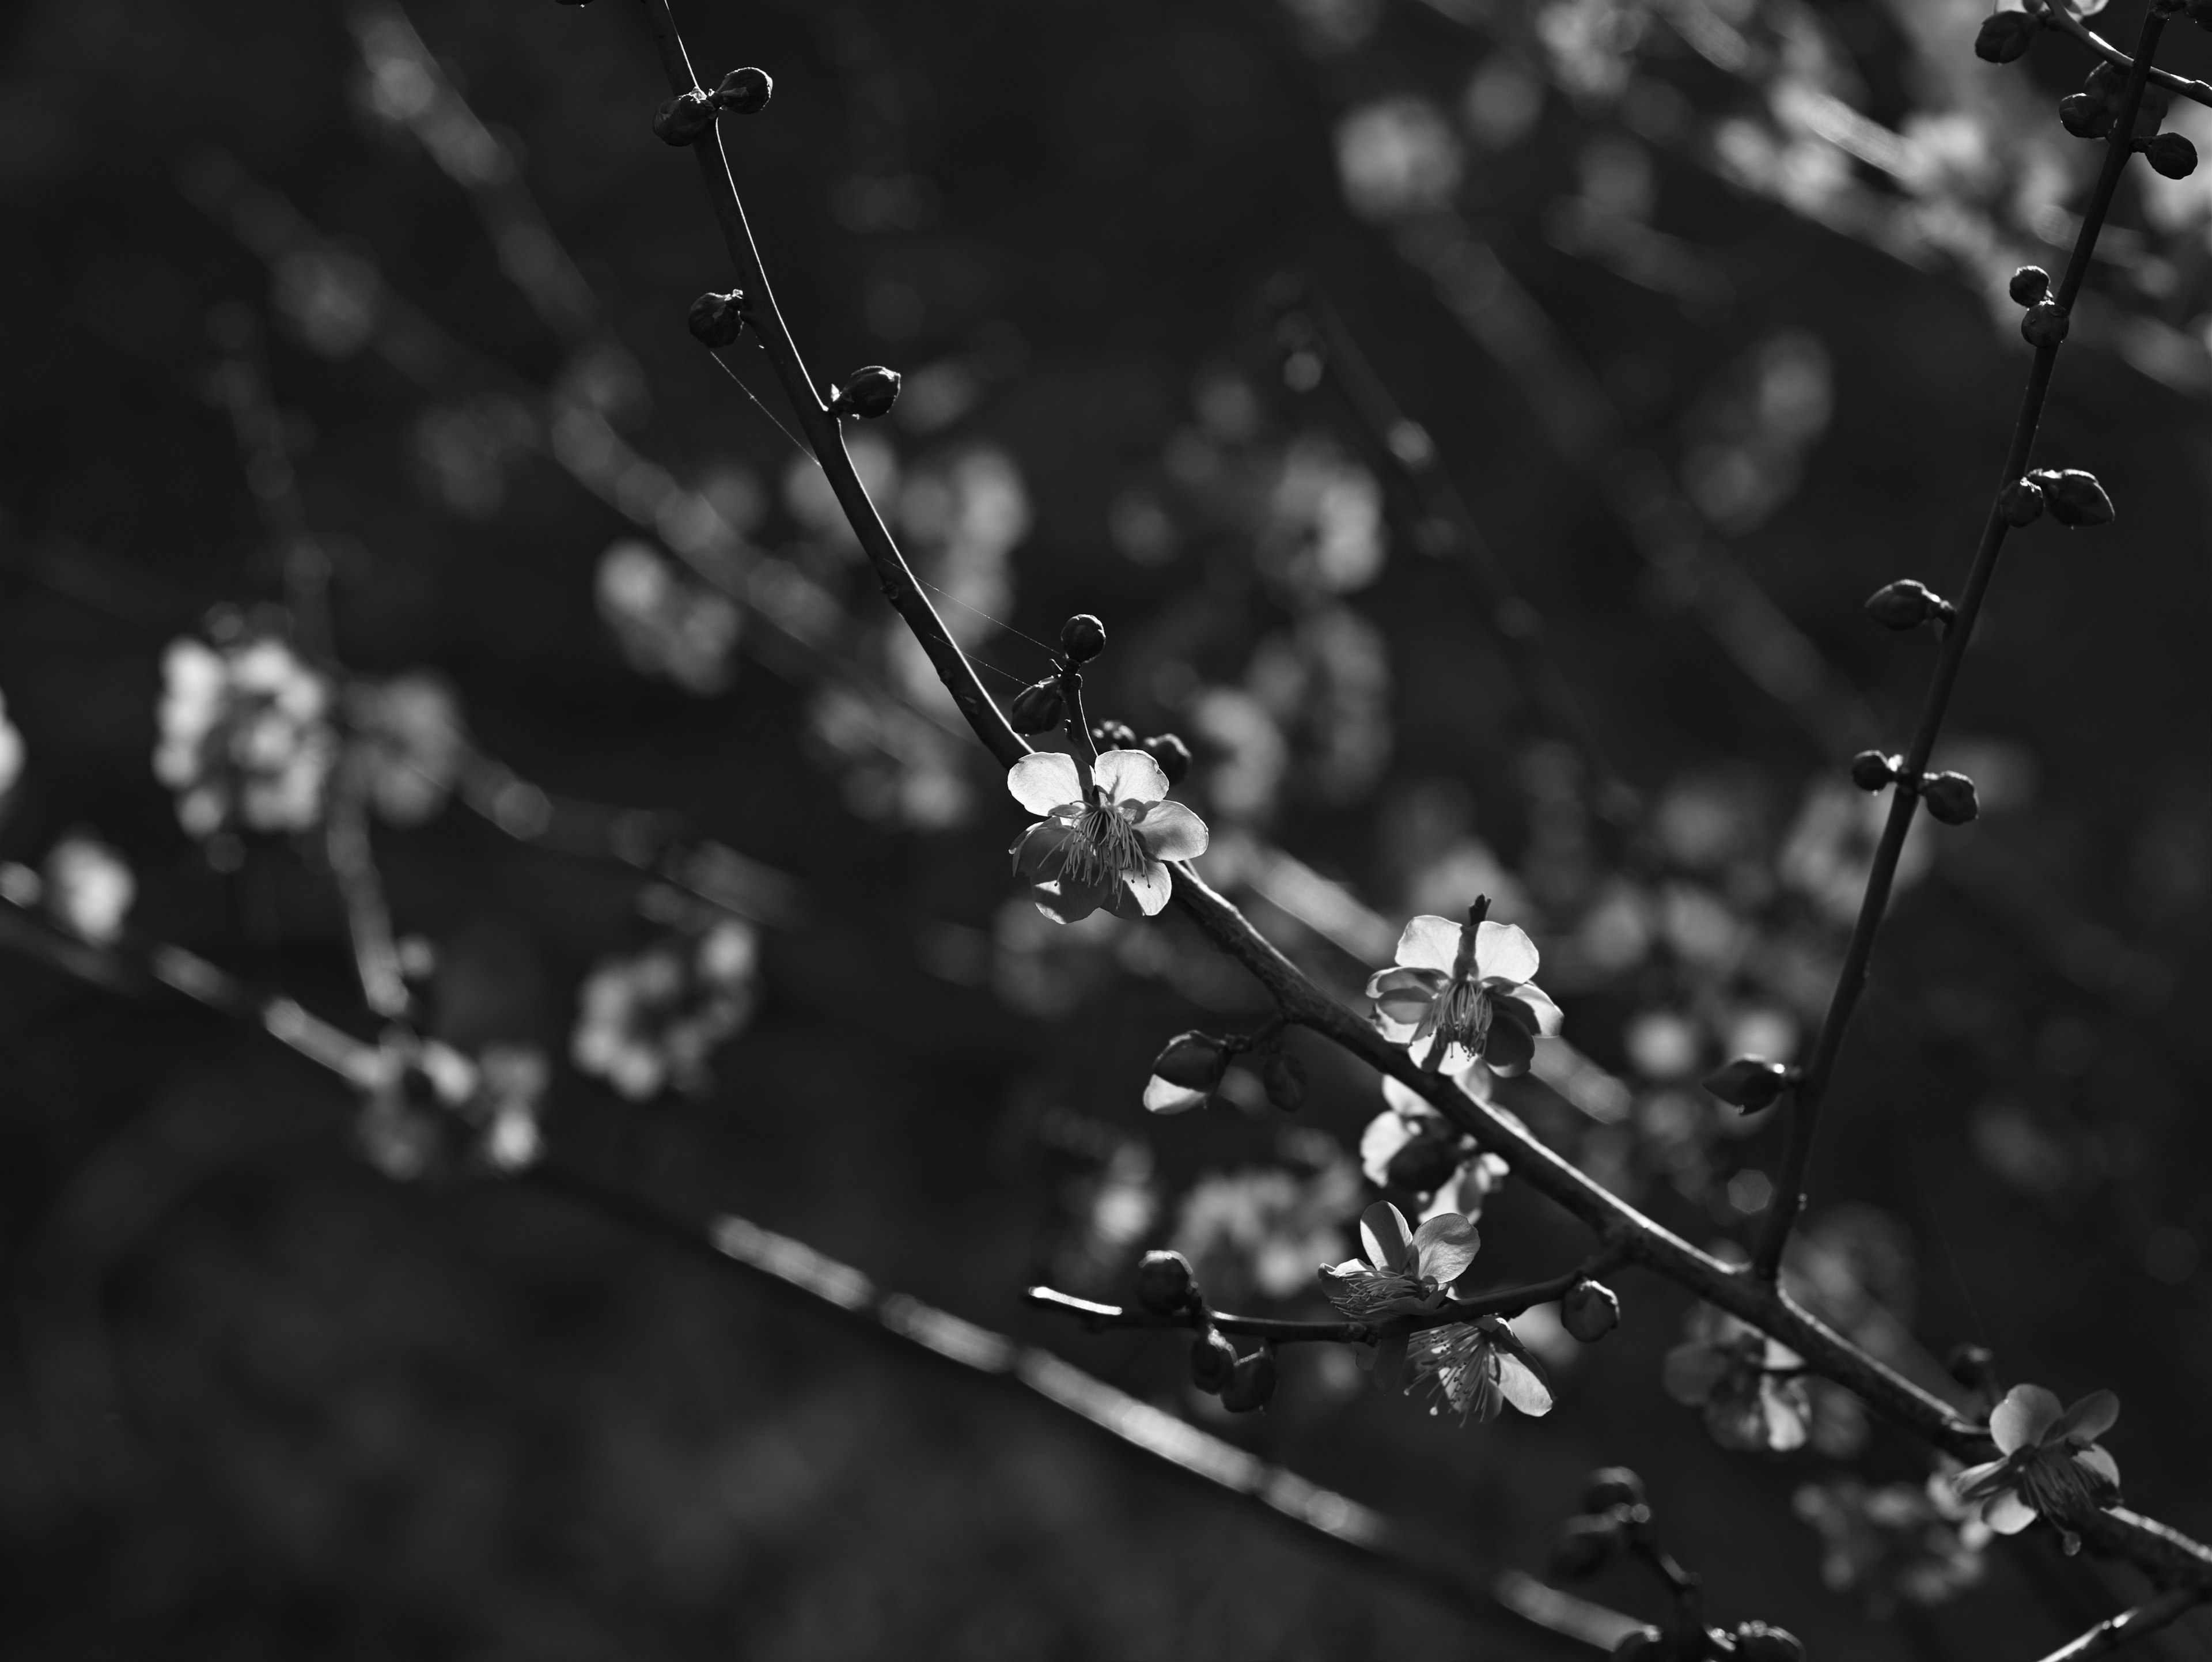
{"type": "Point", "coordinates": [651, 1022]}
{"type": "Point", "coordinates": [1463, 992]}
{"type": "Point", "coordinates": [1406, 1271]}
{"type": "Point", "coordinates": [1105, 841]}
{"type": "Point", "coordinates": [246, 736]}
{"type": "Point", "coordinates": [1410, 1146]}
{"type": "Point", "coordinates": [2051, 1462]}
{"type": "Point", "coordinates": [1748, 1384]}
{"type": "Point", "coordinates": [1476, 1368]}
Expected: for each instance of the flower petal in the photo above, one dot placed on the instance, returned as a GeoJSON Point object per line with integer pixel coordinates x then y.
{"type": "Point", "coordinates": [1504, 951]}
{"type": "Point", "coordinates": [1150, 889]}
{"type": "Point", "coordinates": [1386, 1134]}
{"type": "Point", "coordinates": [1979, 1482]}
{"type": "Point", "coordinates": [1172, 831]}
{"type": "Point", "coordinates": [1040, 851]}
{"type": "Point", "coordinates": [1429, 983]}
{"type": "Point", "coordinates": [1430, 943]}
{"type": "Point", "coordinates": [1163, 1096]}
{"type": "Point", "coordinates": [1509, 1049]}
{"type": "Point", "coordinates": [2099, 1460]}
{"type": "Point", "coordinates": [1044, 780]}
{"type": "Point", "coordinates": [1403, 1007]}
{"type": "Point", "coordinates": [1064, 900]}
{"type": "Point", "coordinates": [1528, 1006]}
{"type": "Point", "coordinates": [2009, 1514]}
{"type": "Point", "coordinates": [2025, 1414]}
{"type": "Point", "coordinates": [1444, 1247]}
{"type": "Point", "coordinates": [1406, 1102]}
{"type": "Point", "coordinates": [1129, 775]}
{"type": "Point", "coordinates": [1521, 1386]}
{"type": "Point", "coordinates": [1382, 1231]}
{"type": "Point", "coordinates": [2088, 1419]}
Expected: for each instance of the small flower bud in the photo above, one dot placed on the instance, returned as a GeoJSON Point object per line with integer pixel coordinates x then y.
{"type": "Point", "coordinates": [869, 394]}
{"type": "Point", "coordinates": [1640, 1645]}
{"type": "Point", "coordinates": [1251, 1382]}
{"type": "Point", "coordinates": [1590, 1311]}
{"type": "Point", "coordinates": [1950, 798]}
{"type": "Point", "coordinates": [1194, 1061]}
{"type": "Point", "coordinates": [2004, 36]}
{"type": "Point", "coordinates": [682, 120]}
{"type": "Point", "coordinates": [1761, 1641]}
{"type": "Point", "coordinates": [716, 319]}
{"type": "Point", "coordinates": [1750, 1083]}
{"type": "Point", "coordinates": [1113, 735]}
{"type": "Point", "coordinates": [2083, 116]}
{"type": "Point", "coordinates": [1905, 604]}
{"type": "Point", "coordinates": [1872, 770]}
{"type": "Point", "coordinates": [1284, 1077]}
{"type": "Point", "coordinates": [2107, 86]}
{"type": "Point", "coordinates": [1171, 753]}
{"type": "Point", "coordinates": [1039, 708]}
{"type": "Point", "coordinates": [1612, 1485]}
{"type": "Point", "coordinates": [2044, 325]}
{"type": "Point", "coordinates": [2074, 497]}
{"type": "Point", "coordinates": [1213, 1360]}
{"type": "Point", "coordinates": [1165, 1283]}
{"type": "Point", "coordinates": [2029, 284]}
{"type": "Point", "coordinates": [744, 92]}
{"type": "Point", "coordinates": [2172, 156]}
{"type": "Point", "coordinates": [1424, 1165]}
{"type": "Point", "coordinates": [1583, 1547]}
{"type": "Point", "coordinates": [2020, 502]}
{"type": "Point", "coordinates": [1082, 637]}
{"type": "Point", "coordinates": [1972, 1366]}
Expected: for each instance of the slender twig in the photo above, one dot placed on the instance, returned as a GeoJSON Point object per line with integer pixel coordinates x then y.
{"type": "Point", "coordinates": [2130, 1625]}
{"type": "Point", "coordinates": [361, 887]}
{"type": "Point", "coordinates": [2060, 17]}
{"type": "Point", "coordinates": [1811, 1086]}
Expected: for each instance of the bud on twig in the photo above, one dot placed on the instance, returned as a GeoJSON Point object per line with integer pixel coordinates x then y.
{"type": "Point", "coordinates": [1082, 637]}
{"type": "Point", "coordinates": [2083, 116]}
{"type": "Point", "coordinates": [683, 119]}
{"type": "Point", "coordinates": [716, 320]}
{"type": "Point", "coordinates": [1172, 754]}
{"type": "Point", "coordinates": [2020, 502]}
{"type": "Point", "coordinates": [1590, 1311]}
{"type": "Point", "coordinates": [1284, 1077]}
{"type": "Point", "coordinates": [1165, 1283]}
{"type": "Point", "coordinates": [1907, 604]}
{"type": "Point", "coordinates": [1750, 1083]}
{"type": "Point", "coordinates": [1760, 1641]}
{"type": "Point", "coordinates": [744, 92]}
{"type": "Point", "coordinates": [1872, 770]}
{"type": "Point", "coordinates": [1113, 735]}
{"type": "Point", "coordinates": [2045, 324]}
{"type": "Point", "coordinates": [1038, 709]}
{"type": "Point", "coordinates": [1973, 1366]}
{"type": "Point", "coordinates": [1213, 1360]}
{"type": "Point", "coordinates": [2005, 35]}
{"type": "Point", "coordinates": [1583, 1546]}
{"type": "Point", "coordinates": [1186, 1073]}
{"type": "Point", "coordinates": [2172, 156]}
{"type": "Point", "coordinates": [2029, 284]}
{"type": "Point", "coordinates": [869, 395]}
{"type": "Point", "coordinates": [1950, 798]}
{"type": "Point", "coordinates": [1612, 1485]}
{"type": "Point", "coordinates": [1251, 1383]}
{"type": "Point", "coordinates": [2074, 497]}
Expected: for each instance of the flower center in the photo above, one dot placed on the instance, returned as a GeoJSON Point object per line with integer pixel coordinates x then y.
{"type": "Point", "coordinates": [2058, 1486]}
{"type": "Point", "coordinates": [1105, 847]}
{"type": "Point", "coordinates": [1464, 1017]}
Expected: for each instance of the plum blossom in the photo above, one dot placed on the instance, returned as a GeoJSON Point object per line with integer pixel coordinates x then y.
{"type": "Point", "coordinates": [651, 1020]}
{"type": "Point", "coordinates": [2051, 1462]}
{"type": "Point", "coordinates": [89, 889]}
{"type": "Point", "coordinates": [1466, 992]}
{"type": "Point", "coordinates": [246, 736]}
{"type": "Point", "coordinates": [1409, 1123]}
{"type": "Point", "coordinates": [409, 744]}
{"type": "Point", "coordinates": [1749, 1386]}
{"type": "Point", "coordinates": [1476, 1368]}
{"type": "Point", "coordinates": [1104, 842]}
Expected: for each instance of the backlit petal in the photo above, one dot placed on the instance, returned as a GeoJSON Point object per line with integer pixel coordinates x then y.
{"type": "Point", "coordinates": [1166, 1097]}
{"type": "Point", "coordinates": [1430, 943]}
{"type": "Point", "coordinates": [1521, 1387]}
{"type": "Point", "coordinates": [1129, 775]}
{"type": "Point", "coordinates": [1444, 1247]}
{"type": "Point", "coordinates": [1979, 1482]}
{"type": "Point", "coordinates": [1510, 1050]}
{"type": "Point", "coordinates": [2026, 1413]}
{"type": "Point", "coordinates": [1172, 831]}
{"type": "Point", "coordinates": [2009, 1514]}
{"type": "Point", "coordinates": [1382, 1231]}
{"type": "Point", "coordinates": [1386, 1134]}
{"type": "Point", "coordinates": [1504, 951]}
{"type": "Point", "coordinates": [1149, 888]}
{"type": "Point", "coordinates": [1530, 1006]}
{"type": "Point", "coordinates": [1045, 779]}
{"type": "Point", "coordinates": [2096, 1458]}
{"type": "Point", "coordinates": [1407, 1007]}
{"type": "Point", "coordinates": [1065, 900]}
{"type": "Point", "coordinates": [1431, 982]}
{"type": "Point", "coordinates": [1040, 851]}
{"type": "Point", "coordinates": [2088, 1419]}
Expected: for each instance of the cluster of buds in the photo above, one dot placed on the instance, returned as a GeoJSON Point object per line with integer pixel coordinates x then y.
{"type": "Point", "coordinates": [246, 736]}
{"type": "Point", "coordinates": [2095, 110]}
{"type": "Point", "coordinates": [1166, 1286]}
{"type": "Point", "coordinates": [687, 118]}
{"type": "Point", "coordinates": [1949, 797]}
{"type": "Point", "coordinates": [432, 1111]}
{"type": "Point", "coordinates": [2045, 324]}
{"type": "Point", "coordinates": [1907, 604]}
{"type": "Point", "coordinates": [2073, 497]}
{"type": "Point", "coordinates": [1190, 1069]}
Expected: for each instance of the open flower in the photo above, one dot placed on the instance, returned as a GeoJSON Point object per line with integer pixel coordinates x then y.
{"type": "Point", "coordinates": [1405, 1272]}
{"type": "Point", "coordinates": [1476, 1368]}
{"type": "Point", "coordinates": [1750, 1387]}
{"type": "Point", "coordinates": [2052, 1462]}
{"type": "Point", "coordinates": [1410, 1146]}
{"type": "Point", "coordinates": [1103, 842]}
{"type": "Point", "coordinates": [1462, 992]}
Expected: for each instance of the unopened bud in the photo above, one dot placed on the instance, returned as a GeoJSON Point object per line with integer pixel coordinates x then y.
{"type": "Point", "coordinates": [1251, 1382]}
{"type": "Point", "coordinates": [869, 394]}
{"type": "Point", "coordinates": [1644, 1644]}
{"type": "Point", "coordinates": [2083, 116]}
{"type": "Point", "coordinates": [1583, 1547]}
{"type": "Point", "coordinates": [1038, 709]}
{"type": "Point", "coordinates": [1872, 770]}
{"type": "Point", "coordinates": [1612, 1485]}
{"type": "Point", "coordinates": [1950, 798]}
{"type": "Point", "coordinates": [1172, 754]}
{"type": "Point", "coordinates": [1284, 1077]}
{"type": "Point", "coordinates": [1590, 1311]}
{"type": "Point", "coordinates": [1082, 637]}
{"type": "Point", "coordinates": [744, 92]}
{"type": "Point", "coordinates": [1905, 604]}
{"type": "Point", "coordinates": [716, 319]}
{"type": "Point", "coordinates": [1761, 1641]}
{"type": "Point", "coordinates": [1750, 1083]}
{"type": "Point", "coordinates": [1972, 1366]}
{"type": "Point", "coordinates": [1213, 1360]}
{"type": "Point", "coordinates": [2107, 86]}
{"type": "Point", "coordinates": [2020, 502]}
{"type": "Point", "coordinates": [1113, 735]}
{"type": "Point", "coordinates": [1194, 1061]}
{"type": "Point", "coordinates": [1423, 1165]}
{"type": "Point", "coordinates": [2172, 156]}
{"type": "Point", "coordinates": [1165, 1283]}
{"type": "Point", "coordinates": [682, 120]}
{"type": "Point", "coordinates": [2044, 325]}
{"type": "Point", "coordinates": [2004, 36]}
{"type": "Point", "coordinates": [2074, 496]}
{"type": "Point", "coordinates": [2029, 284]}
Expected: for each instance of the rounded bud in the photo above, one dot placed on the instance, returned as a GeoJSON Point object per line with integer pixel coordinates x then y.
{"type": "Point", "coordinates": [1612, 1485]}
{"type": "Point", "coordinates": [1872, 770]}
{"type": "Point", "coordinates": [1082, 637]}
{"type": "Point", "coordinates": [1213, 1360]}
{"type": "Point", "coordinates": [1950, 798]}
{"type": "Point", "coordinates": [1423, 1165]}
{"type": "Point", "coordinates": [1645, 1644]}
{"type": "Point", "coordinates": [1590, 1311]}
{"type": "Point", "coordinates": [2004, 36]}
{"type": "Point", "coordinates": [1113, 735]}
{"type": "Point", "coordinates": [2020, 502]}
{"type": "Point", "coordinates": [2074, 497]}
{"type": "Point", "coordinates": [2029, 284]}
{"type": "Point", "coordinates": [1905, 604]}
{"type": "Point", "coordinates": [744, 92]}
{"type": "Point", "coordinates": [1284, 1077]}
{"type": "Point", "coordinates": [2083, 116]}
{"type": "Point", "coordinates": [1251, 1382]}
{"type": "Point", "coordinates": [869, 394]}
{"type": "Point", "coordinates": [1750, 1083]}
{"type": "Point", "coordinates": [1165, 1283]}
{"type": "Point", "coordinates": [1583, 1547]}
{"type": "Point", "coordinates": [1762, 1642]}
{"type": "Point", "coordinates": [2044, 325]}
{"type": "Point", "coordinates": [1171, 753]}
{"type": "Point", "coordinates": [1039, 708]}
{"type": "Point", "coordinates": [1194, 1061]}
{"type": "Point", "coordinates": [2172, 156]}
{"type": "Point", "coordinates": [683, 119]}
{"type": "Point", "coordinates": [2106, 86]}
{"type": "Point", "coordinates": [716, 320]}
{"type": "Point", "coordinates": [1972, 1365]}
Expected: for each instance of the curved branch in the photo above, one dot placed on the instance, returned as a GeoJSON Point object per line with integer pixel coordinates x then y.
{"type": "Point", "coordinates": [2130, 1625]}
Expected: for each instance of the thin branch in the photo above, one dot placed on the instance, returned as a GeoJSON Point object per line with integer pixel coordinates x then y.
{"type": "Point", "coordinates": [2059, 16]}
{"type": "Point", "coordinates": [2130, 1625]}
{"type": "Point", "coordinates": [361, 887]}
{"type": "Point", "coordinates": [1812, 1087]}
